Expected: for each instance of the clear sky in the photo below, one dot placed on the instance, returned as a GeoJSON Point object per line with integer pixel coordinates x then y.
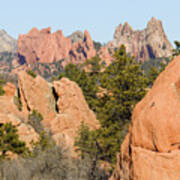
{"type": "Point", "coordinates": [99, 17]}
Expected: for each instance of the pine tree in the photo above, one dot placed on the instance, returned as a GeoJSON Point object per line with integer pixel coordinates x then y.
{"type": "Point", "coordinates": [125, 84]}
{"type": "Point", "coordinates": [176, 51]}
{"type": "Point", "coordinates": [9, 140]}
{"type": "Point", "coordinates": [87, 83]}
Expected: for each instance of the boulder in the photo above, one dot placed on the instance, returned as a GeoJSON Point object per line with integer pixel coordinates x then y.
{"type": "Point", "coordinates": [151, 149]}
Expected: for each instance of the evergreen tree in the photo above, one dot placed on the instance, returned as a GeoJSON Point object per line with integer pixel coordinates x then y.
{"type": "Point", "coordinates": [9, 140]}
{"type": "Point", "coordinates": [87, 83]}
{"type": "Point", "coordinates": [125, 84]}
{"type": "Point", "coordinates": [152, 75]}
{"type": "Point", "coordinates": [176, 51]}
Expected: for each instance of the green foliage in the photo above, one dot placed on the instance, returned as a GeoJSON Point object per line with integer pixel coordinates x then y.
{"type": "Point", "coordinates": [2, 82]}
{"type": "Point", "coordinates": [2, 92]}
{"type": "Point", "coordinates": [154, 72]}
{"type": "Point", "coordinates": [87, 83]}
{"type": "Point", "coordinates": [45, 143]}
{"type": "Point", "coordinates": [18, 103]}
{"type": "Point", "coordinates": [34, 119]}
{"type": "Point", "coordinates": [9, 140]}
{"type": "Point", "coordinates": [124, 84]}
{"type": "Point", "coordinates": [97, 45]}
{"type": "Point", "coordinates": [31, 73]}
{"type": "Point", "coordinates": [86, 142]}
{"type": "Point", "coordinates": [157, 63]}
{"type": "Point", "coordinates": [152, 75]}
{"type": "Point", "coordinates": [176, 51]}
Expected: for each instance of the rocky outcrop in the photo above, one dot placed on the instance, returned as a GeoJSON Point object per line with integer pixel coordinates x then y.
{"type": "Point", "coordinates": [42, 46]}
{"type": "Point", "coordinates": [76, 36]}
{"type": "Point", "coordinates": [73, 110]}
{"type": "Point", "coordinates": [7, 43]}
{"type": "Point", "coordinates": [61, 104]}
{"type": "Point", "coordinates": [151, 149]}
{"type": "Point", "coordinates": [10, 113]}
{"type": "Point", "coordinates": [46, 47]}
{"type": "Point", "coordinates": [36, 94]}
{"type": "Point", "coordinates": [149, 43]}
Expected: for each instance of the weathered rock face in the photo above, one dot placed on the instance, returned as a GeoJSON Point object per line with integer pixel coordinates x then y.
{"type": "Point", "coordinates": [73, 110]}
{"type": "Point", "coordinates": [7, 43]}
{"type": "Point", "coordinates": [143, 45]}
{"type": "Point", "coordinates": [61, 104]}
{"type": "Point", "coordinates": [81, 50]}
{"type": "Point", "coordinates": [42, 46]}
{"type": "Point", "coordinates": [36, 94]}
{"type": "Point", "coordinates": [151, 149]}
{"type": "Point", "coordinates": [10, 113]}
{"type": "Point", "coordinates": [76, 36]}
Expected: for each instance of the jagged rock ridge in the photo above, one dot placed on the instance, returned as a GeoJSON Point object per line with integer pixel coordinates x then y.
{"type": "Point", "coordinates": [46, 47]}
{"type": "Point", "coordinates": [150, 42]}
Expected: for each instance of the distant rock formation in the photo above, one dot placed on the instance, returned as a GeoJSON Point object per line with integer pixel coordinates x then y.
{"type": "Point", "coordinates": [76, 36]}
{"type": "Point", "coordinates": [42, 49]}
{"type": "Point", "coordinates": [151, 150]}
{"type": "Point", "coordinates": [149, 43]}
{"type": "Point", "coordinates": [42, 46]}
{"type": "Point", "coordinates": [7, 43]}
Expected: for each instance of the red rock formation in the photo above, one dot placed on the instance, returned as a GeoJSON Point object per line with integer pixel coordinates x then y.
{"type": "Point", "coordinates": [61, 104]}
{"type": "Point", "coordinates": [151, 148]}
{"type": "Point", "coordinates": [36, 94]}
{"type": "Point", "coordinates": [42, 46]}
{"type": "Point", "coordinates": [10, 113]}
{"type": "Point", "coordinates": [143, 45]}
{"type": "Point", "coordinates": [105, 55]}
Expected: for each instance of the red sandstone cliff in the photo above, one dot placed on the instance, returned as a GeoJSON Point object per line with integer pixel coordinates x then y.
{"type": "Point", "coordinates": [150, 151]}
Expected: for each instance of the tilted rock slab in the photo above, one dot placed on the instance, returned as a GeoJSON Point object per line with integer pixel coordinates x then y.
{"type": "Point", "coordinates": [73, 109]}
{"type": "Point", "coordinates": [61, 104]}
{"type": "Point", "coordinates": [151, 150]}
{"type": "Point", "coordinates": [9, 113]}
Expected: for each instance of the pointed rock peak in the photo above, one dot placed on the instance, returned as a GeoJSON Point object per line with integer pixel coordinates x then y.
{"type": "Point", "coordinates": [127, 27]}
{"type": "Point", "coordinates": [33, 31]}
{"type": "Point", "coordinates": [87, 36]}
{"type": "Point", "coordinates": [60, 33]}
{"type": "Point", "coordinates": [76, 36]}
{"type": "Point", "coordinates": [154, 22]}
{"type": "Point", "coordinates": [46, 30]}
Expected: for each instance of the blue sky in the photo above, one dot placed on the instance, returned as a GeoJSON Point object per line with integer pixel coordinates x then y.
{"type": "Point", "coordinates": [99, 17]}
